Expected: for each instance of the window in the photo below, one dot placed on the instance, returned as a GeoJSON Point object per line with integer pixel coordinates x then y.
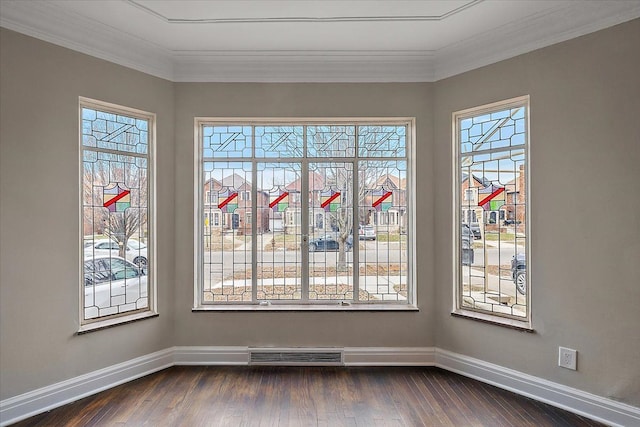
{"type": "Point", "coordinates": [491, 146]}
{"type": "Point", "coordinates": [210, 198]}
{"type": "Point", "coordinates": [116, 146]}
{"type": "Point", "coordinates": [468, 195]}
{"type": "Point", "coordinates": [299, 189]}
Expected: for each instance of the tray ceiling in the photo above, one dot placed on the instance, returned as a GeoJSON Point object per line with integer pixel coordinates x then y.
{"type": "Point", "coordinates": [309, 40]}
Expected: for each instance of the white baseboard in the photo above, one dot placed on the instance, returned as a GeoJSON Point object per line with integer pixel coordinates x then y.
{"type": "Point", "coordinates": [353, 356]}
{"type": "Point", "coordinates": [211, 355]}
{"type": "Point", "coordinates": [46, 398]}
{"type": "Point", "coordinates": [573, 400]}
{"type": "Point", "coordinates": [595, 407]}
{"type": "Point", "coordinates": [389, 356]}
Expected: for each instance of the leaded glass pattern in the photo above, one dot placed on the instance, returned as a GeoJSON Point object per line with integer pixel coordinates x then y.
{"type": "Point", "coordinates": [279, 263]}
{"type": "Point", "coordinates": [226, 141]}
{"type": "Point", "coordinates": [227, 258]}
{"type": "Point", "coordinates": [492, 192]}
{"type": "Point", "coordinates": [331, 141]}
{"type": "Point", "coordinates": [279, 141]}
{"type": "Point", "coordinates": [382, 141]}
{"type": "Point", "coordinates": [115, 174]}
{"type": "Point", "coordinates": [383, 200]}
{"type": "Point", "coordinates": [285, 207]}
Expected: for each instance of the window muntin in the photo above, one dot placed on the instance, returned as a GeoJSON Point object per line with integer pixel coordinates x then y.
{"type": "Point", "coordinates": [116, 145]}
{"type": "Point", "coordinates": [491, 210]}
{"type": "Point", "coordinates": [291, 240]}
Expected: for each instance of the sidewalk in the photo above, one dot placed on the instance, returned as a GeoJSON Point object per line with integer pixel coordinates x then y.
{"type": "Point", "coordinates": [500, 295]}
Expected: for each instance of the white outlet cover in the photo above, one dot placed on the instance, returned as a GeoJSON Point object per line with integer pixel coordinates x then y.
{"type": "Point", "coordinates": [567, 358]}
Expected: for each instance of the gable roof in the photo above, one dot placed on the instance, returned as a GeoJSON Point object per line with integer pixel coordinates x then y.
{"type": "Point", "coordinates": [482, 180]}
{"type": "Point", "coordinates": [316, 183]}
{"type": "Point", "coordinates": [236, 181]}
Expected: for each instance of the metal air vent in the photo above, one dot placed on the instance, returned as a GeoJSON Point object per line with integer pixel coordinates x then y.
{"type": "Point", "coordinates": [295, 357]}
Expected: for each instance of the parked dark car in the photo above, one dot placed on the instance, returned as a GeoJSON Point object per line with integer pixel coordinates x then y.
{"type": "Point", "coordinates": [519, 272]}
{"type": "Point", "coordinates": [328, 243]}
{"type": "Point", "coordinates": [467, 245]}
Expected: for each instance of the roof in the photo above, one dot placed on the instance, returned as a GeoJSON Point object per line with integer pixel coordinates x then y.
{"type": "Point", "coordinates": [236, 181]}
{"type": "Point", "coordinates": [316, 182]}
{"type": "Point", "coordinates": [482, 180]}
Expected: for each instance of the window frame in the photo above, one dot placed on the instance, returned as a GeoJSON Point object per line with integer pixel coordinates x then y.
{"type": "Point", "coordinates": [521, 323]}
{"type": "Point", "coordinates": [410, 305]}
{"type": "Point", "coordinates": [98, 323]}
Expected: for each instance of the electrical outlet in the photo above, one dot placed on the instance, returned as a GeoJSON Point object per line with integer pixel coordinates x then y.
{"type": "Point", "coordinates": [567, 358]}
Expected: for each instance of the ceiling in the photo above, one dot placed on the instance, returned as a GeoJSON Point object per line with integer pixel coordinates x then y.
{"type": "Point", "coordinates": [310, 41]}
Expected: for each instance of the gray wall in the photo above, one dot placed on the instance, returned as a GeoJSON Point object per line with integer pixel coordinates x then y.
{"type": "Point", "coordinates": [301, 328]}
{"type": "Point", "coordinates": [39, 215]}
{"type": "Point", "coordinates": [585, 104]}
{"type": "Point", "coordinates": [585, 221]}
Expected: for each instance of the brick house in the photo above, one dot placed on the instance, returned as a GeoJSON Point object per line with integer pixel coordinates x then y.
{"type": "Point", "coordinates": [292, 215]}
{"type": "Point", "coordinates": [385, 205]}
{"type": "Point", "coordinates": [515, 206]}
{"type": "Point", "coordinates": [227, 206]}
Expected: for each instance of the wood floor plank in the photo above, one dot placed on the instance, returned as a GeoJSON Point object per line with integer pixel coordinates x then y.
{"type": "Point", "coordinates": [193, 396]}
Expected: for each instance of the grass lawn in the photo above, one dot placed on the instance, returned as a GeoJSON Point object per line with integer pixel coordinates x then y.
{"type": "Point", "coordinates": [391, 237]}
{"type": "Point", "coordinates": [504, 237]}
{"type": "Point", "coordinates": [290, 242]}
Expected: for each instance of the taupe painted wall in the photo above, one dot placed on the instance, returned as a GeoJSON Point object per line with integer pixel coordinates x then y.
{"type": "Point", "coordinates": [585, 221]}
{"type": "Point", "coordinates": [407, 329]}
{"type": "Point", "coordinates": [39, 216]}
{"type": "Point", "coordinates": [585, 104]}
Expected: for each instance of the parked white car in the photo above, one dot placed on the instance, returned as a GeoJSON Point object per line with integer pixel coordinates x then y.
{"type": "Point", "coordinates": [136, 251]}
{"type": "Point", "coordinates": [366, 232]}
{"type": "Point", "coordinates": [113, 285]}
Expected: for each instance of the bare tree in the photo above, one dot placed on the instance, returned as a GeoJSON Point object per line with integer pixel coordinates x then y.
{"type": "Point", "coordinates": [340, 178]}
{"type": "Point", "coordinates": [339, 142]}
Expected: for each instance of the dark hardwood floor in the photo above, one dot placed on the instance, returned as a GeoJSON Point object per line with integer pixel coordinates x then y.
{"type": "Point", "coordinates": [306, 396]}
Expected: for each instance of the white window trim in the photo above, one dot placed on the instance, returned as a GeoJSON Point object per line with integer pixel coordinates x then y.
{"type": "Point", "coordinates": [467, 312]}
{"type": "Point", "coordinates": [411, 304]}
{"type": "Point", "coordinates": [151, 311]}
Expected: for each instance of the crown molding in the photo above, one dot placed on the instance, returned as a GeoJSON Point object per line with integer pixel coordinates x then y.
{"type": "Point", "coordinates": [536, 32]}
{"type": "Point", "coordinates": [50, 23]}
{"type": "Point", "coordinates": [298, 66]}
{"type": "Point", "coordinates": [305, 19]}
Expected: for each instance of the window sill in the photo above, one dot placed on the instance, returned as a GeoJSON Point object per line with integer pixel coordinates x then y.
{"type": "Point", "coordinates": [307, 307]}
{"type": "Point", "coordinates": [116, 321]}
{"type": "Point", "coordinates": [520, 325]}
